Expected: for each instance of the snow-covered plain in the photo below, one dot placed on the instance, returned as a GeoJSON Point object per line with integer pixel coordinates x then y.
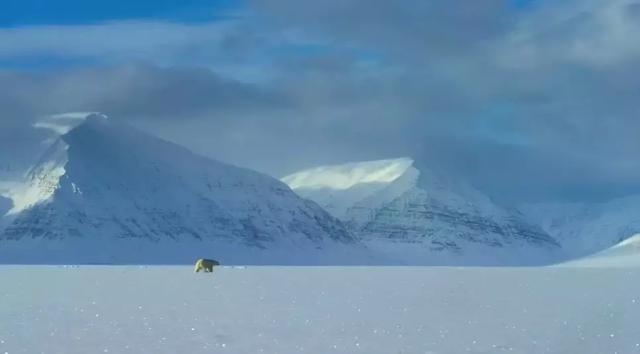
{"type": "Point", "coordinates": [158, 309]}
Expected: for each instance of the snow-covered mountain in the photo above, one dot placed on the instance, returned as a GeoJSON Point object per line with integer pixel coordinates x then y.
{"type": "Point", "coordinates": [108, 193]}
{"type": "Point", "coordinates": [587, 228]}
{"type": "Point", "coordinates": [421, 217]}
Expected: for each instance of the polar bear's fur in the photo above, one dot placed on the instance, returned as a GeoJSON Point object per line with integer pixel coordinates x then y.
{"type": "Point", "coordinates": [205, 265]}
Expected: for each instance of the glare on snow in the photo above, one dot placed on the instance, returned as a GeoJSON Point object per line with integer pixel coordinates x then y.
{"type": "Point", "coordinates": [346, 176]}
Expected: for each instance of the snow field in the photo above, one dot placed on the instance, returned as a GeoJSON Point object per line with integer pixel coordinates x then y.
{"type": "Point", "coordinates": [169, 309]}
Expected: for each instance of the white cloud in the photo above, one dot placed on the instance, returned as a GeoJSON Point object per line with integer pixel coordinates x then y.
{"type": "Point", "coordinates": [62, 123]}
{"type": "Point", "coordinates": [592, 33]}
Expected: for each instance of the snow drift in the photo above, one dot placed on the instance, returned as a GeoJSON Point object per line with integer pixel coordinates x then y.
{"type": "Point", "coordinates": [624, 254]}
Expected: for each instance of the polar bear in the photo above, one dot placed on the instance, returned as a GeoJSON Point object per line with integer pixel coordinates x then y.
{"type": "Point", "coordinates": [205, 265]}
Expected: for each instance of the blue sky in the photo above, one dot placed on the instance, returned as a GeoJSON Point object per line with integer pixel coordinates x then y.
{"type": "Point", "coordinates": [77, 16]}
{"type": "Point", "coordinates": [69, 12]}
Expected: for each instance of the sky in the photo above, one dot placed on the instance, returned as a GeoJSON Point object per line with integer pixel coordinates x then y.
{"type": "Point", "coordinates": [528, 100]}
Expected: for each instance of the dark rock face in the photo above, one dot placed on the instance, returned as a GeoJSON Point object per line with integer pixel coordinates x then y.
{"type": "Point", "coordinates": [415, 217]}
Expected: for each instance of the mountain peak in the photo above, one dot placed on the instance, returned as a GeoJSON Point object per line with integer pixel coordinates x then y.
{"type": "Point", "coordinates": [96, 118]}
{"type": "Point", "coordinates": [337, 188]}
{"type": "Point", "coordinates": [92, 121]}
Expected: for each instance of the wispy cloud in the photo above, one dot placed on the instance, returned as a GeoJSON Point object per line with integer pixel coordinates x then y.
{"type": "Point", "coordinates": [61, 123]}
{"type": "Point", "coordinates": [228, 46]}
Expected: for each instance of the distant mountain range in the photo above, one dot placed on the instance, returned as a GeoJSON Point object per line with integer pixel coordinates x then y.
{"type": "Point", "coordinates": [107, 193]}
{"type": "Point", "coordinates": [587, 228]}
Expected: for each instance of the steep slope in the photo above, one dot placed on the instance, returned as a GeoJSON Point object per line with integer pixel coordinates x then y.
{"type": "Point", "coordinates": [106, 192]}
{"type": "Point", "coordinates": [421, 217]}
{"type": "Point", "coordinates": [587, 228]}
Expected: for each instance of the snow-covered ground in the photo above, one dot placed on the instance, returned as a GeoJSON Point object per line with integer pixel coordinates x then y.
{"type": "Point", "coordinates": [387, 310]}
